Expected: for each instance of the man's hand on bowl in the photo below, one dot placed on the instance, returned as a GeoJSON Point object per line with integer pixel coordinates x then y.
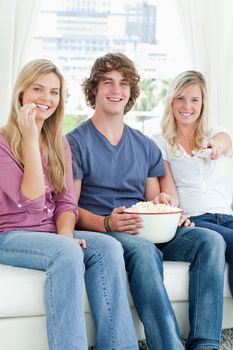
{"type": "Point", "coordinates": [119, 221]}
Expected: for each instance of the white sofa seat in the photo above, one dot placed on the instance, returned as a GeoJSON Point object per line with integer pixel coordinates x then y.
{"type": "Point", "coordinates": [22, 312]}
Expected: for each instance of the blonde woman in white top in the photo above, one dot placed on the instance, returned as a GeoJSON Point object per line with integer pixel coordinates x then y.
{"type": "Point", "coordinates": [193, 156]}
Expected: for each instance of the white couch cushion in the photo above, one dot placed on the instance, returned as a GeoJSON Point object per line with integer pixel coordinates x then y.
{"type": "Point", "coordinates": [176, 280]}
{"type": "Point", "coordinates": [21, 290]}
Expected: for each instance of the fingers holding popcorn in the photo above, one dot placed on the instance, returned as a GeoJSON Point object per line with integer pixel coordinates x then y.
{"type": "Point", "coordinates": [26, 121]}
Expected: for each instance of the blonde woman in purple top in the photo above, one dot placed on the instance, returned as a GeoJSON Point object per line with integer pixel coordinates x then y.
{"type": "Point", "coordinates": [38, 214]}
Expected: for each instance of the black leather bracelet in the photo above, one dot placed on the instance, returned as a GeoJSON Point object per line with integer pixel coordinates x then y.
{"type": "Point", "coordinates": [106, 223]}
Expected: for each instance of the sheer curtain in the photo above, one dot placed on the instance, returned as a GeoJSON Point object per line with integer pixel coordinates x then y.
{"type": "Point", "coordinates": [17, 20]}
{"type": "Point", "coordinates": [208, 30]}
{"type": "Point", "coordinates": [207, 27]}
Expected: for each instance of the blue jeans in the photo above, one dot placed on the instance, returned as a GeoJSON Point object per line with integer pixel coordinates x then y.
{"type": "Point", "coordinates": [63, 261]}
{"type": "Point", "coordinates": [144, 264]}
{"type": "Point", "coordinates": [205, 250]}
{"type": "Point", "coordinates": [222, 224]}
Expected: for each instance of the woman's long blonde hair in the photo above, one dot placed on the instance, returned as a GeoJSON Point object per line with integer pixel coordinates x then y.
{"type": "Point", "coordinates": [51, 132]}
{"type": "Point", "coordinates": [168, 122]}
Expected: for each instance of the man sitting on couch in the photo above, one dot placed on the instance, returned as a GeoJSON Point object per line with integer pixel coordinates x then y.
{"type": "Point", "coordinates": [116, 166]}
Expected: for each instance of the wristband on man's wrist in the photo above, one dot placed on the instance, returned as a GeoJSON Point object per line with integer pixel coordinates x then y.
{"type": "Point", "coordinates": [106, 223]}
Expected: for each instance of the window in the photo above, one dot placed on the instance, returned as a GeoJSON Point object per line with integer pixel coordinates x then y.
{"type": "Point", "coordinates": [73, 33]}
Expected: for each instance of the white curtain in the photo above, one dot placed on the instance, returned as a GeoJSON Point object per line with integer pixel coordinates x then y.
{"type": "Point", "coordinates": [208, 30]}
{"type": "Point", "coordinates": [17, 21]}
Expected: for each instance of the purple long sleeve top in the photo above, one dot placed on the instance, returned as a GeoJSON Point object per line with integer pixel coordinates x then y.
{"type": "Point", "coordinates": [19, 213]}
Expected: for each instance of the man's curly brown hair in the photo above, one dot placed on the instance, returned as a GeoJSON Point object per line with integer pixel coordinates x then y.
{"type": "Point", "coordinates": [105, 64]}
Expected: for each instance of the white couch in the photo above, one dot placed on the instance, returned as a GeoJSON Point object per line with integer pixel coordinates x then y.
{"type": "Point", "coordinates": [22, 313]}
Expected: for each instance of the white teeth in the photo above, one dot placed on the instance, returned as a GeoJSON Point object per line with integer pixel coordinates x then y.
{"type": "Point", "coordinates": [186, 114]}
{"type": "Point", "coordinates": [115, 99]}
{"type": "Point", "coordinates": [42, 106]}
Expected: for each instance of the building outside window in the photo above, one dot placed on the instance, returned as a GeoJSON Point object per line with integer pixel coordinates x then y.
{"type": "Point", "coordinates": [73, 33]}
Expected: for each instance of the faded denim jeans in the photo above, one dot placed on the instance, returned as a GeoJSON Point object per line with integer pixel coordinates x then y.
{"type": "Point", "coordinates": [205, 250]}
{"type": "Point", "coordinates": [222, 224]}
{"type": "Point", "coordinates": [64, 262]}
{"type": "Point", "coordinates": [144, 264]}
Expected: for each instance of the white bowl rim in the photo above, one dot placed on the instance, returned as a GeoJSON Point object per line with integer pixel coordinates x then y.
{"type": "Point", "coordinates": [154, 213]}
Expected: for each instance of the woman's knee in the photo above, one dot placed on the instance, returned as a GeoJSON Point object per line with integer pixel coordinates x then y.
{"type": "Point", "coordinates": [210, 242]}
{"type": "Point", "coordinates": [67, 251]}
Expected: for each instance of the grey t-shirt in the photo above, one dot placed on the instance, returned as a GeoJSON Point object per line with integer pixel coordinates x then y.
{"type": "Point", "coordinates": [112, 176]}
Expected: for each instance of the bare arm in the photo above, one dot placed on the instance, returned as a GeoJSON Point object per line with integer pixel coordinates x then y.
{"type": "Point", "coordinates": [88, 220]}
{"type": "Point", "coordinates": [169, 194]}
{"type": "Point", "coordinates": [152, 188]}
{"type": "Point", "coordinates": [168, 187]}
{"type": "Point", "coordinates": [118, 221]}
{"type": "Point", "coordinates": [65, 224]}
{"type": "Point", "coordinates": [32, 185]}
{"type": "Point", "coordinates": [162, 189]}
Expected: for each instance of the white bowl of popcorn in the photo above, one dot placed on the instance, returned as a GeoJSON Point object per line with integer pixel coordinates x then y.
{"type": "Point", "coordinates": [160, 221]}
